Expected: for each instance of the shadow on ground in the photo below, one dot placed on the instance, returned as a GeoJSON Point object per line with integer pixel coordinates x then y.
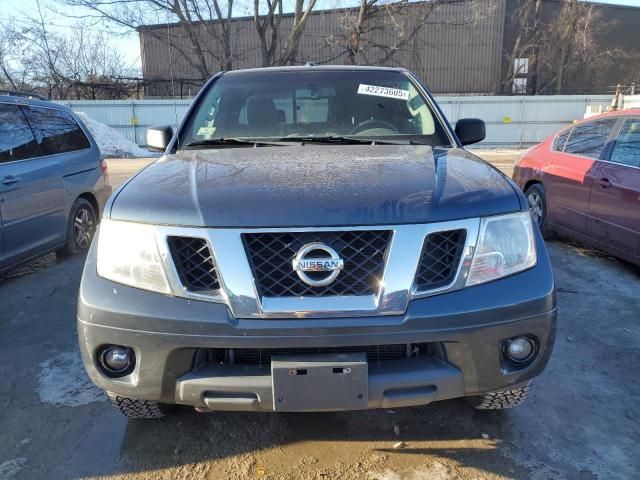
{"type": "Point", "coordinates": [313, 442]}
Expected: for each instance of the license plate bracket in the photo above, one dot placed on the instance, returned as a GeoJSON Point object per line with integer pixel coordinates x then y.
{"type": "Point", "coordinates": [325, 382]}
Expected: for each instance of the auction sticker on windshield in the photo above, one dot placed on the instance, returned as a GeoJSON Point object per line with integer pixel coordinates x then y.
{"type": "Point", "coordinates": [383, 92]}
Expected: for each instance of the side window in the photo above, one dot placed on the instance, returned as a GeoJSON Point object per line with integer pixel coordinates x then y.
{"type": "Point", "coordinates": [561, 140]}
{"type": "Point", "coordinates": [56, 131]}
{"type": "Point", "coordinates": [626, 149]}
{"type": "Point", "coordinates": [422, 120]}
{"type": "Point", "coordinates": [589, 139]}
{"type": "Point", "coordinates": [16, 138]}
{"type": "Point", "coordinates": [206, 120]}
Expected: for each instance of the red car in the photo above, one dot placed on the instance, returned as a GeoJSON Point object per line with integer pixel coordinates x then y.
{"type": "Point", "coordinates": [584, 182]}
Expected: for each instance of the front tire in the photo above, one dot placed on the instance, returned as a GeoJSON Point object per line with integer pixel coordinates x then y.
{"type": "Point", "coordinates": [135, 408]}
{"type": "Point", "coordinates": [537, 200]}
{"type": "Point", "coordinates": [500, 400]}
{"type": "Point", "coordinates": [81, 228]}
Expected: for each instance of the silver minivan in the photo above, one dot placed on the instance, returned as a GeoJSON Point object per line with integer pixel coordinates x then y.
{"type": "Point", "coordinates": [53, 180]}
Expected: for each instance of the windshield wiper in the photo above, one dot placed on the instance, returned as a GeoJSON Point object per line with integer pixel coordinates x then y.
{"type": "Point", "coordinates": [287, 141]}
{"type": "Point", "coordinates": [348, 140]}
{"type": "Point", "coordinates": [232, 142]}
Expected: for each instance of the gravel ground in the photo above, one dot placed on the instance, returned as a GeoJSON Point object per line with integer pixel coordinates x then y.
{"type": "Point", "coordinates": [581, 422]}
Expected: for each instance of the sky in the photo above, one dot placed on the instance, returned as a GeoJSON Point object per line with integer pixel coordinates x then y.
{"type": "Point", "coordinates": [127, 42]}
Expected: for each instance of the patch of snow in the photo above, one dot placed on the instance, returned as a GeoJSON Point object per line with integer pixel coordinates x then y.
{"type": "Point", "coordinates": [10, 468]}
{"type": "Point", "coordinates": [110, 142]}
{"type": "Point", "coordinates": [386, 475]}
{"type": "Point", "coordinates": [63, 382]}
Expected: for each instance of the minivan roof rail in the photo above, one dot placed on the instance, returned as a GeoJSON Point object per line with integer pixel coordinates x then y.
{"type": "Point", "coordinates": [13, 93]}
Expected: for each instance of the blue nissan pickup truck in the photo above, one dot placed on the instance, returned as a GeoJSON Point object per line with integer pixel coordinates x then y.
{"type": "Point", "coordinates": [315, 239]}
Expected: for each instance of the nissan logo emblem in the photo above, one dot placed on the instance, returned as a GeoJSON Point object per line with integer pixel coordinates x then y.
{"type": "Point", "coordinates": [314, 258]}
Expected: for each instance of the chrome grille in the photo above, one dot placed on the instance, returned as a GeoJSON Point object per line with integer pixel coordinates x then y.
{"type": "Point", "coordinates": [271, 255]}
{"type": "Point", "coordinates": [439, 260]}
{"type": "Point", "coordinates": [194, 264]}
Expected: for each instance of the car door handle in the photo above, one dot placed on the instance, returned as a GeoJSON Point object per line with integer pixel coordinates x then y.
{"type": "Point", "coordinates": [10, 180]}
{"type": "Point", "coordinates": [604, 182]}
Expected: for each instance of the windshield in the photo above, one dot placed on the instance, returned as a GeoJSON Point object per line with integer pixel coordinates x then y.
{"type": "Point", "coordinates": [294, 105]}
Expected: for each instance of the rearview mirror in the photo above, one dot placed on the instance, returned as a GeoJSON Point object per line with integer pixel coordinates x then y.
{"type": "Point", "coordinates": [159, 137]}
{"type": "Point", "coordinates": [470, 130]}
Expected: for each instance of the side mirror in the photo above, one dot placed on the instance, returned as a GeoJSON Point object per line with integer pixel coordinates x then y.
{"type": "Point", "coordinates": [470, 130]}
{"type": "Point", "coordinates": [158, 137]}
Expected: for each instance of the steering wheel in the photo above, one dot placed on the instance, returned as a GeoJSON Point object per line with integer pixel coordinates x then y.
{"type": "Point", "coordinates": [373, 123]}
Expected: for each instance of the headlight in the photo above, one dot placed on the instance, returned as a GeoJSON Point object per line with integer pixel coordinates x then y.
{"type": "Point", "coordinates": [505, 246]}
{"type": "Point", "coordinates": [128, 254]}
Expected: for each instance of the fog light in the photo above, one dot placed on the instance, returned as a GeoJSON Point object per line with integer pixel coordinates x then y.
{"type": "Point", "coordinates": [117, 360]}
{"type": "Point", "coordinates": [520, 349]}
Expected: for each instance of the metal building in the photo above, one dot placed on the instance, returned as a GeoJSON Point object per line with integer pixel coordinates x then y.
{"type": "Point", "coordinates": [460, 49]}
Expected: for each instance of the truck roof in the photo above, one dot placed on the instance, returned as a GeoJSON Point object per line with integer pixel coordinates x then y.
{"type": "Point", "coordinates": [311, 67]}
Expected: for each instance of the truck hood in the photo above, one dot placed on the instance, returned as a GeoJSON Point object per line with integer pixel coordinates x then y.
{"type": "Point", "coordinates": [314, 186]}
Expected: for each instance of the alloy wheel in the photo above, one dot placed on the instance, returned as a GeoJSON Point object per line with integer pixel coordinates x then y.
{"type": "Point", "coordinates": [83, 227]}
{"type": "Point", "coordinates": [535, 207]}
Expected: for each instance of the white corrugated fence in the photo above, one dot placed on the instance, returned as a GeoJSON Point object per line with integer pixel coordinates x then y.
{"type": "Point", "coordinates": [516, 121]}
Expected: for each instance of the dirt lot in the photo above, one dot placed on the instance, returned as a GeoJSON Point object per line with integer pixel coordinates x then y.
{"type": "Point", "coordinates": [582, 421]}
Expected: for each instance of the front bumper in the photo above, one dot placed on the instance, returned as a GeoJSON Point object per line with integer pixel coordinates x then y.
{"type": "Point", "coordinates": [166, 333]}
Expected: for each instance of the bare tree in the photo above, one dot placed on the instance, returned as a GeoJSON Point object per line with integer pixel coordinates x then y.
{"type": "Point", "coordinates": [572, 49]}
{"type": "Point", "coordinates": [267, 18]}
{"type": "Point", "coordinates": [95, 69]}
{"type": "Point", "coordinates": [571, 41]}
{"type": "Point", "coordinates": [526, 22]}
{"type": "Point", "coordinates": [378, 30]}
{"type": "Point", "coordinates": [44, 51]}
{"type": "Point", "coordinates": [360, 41]}
{"type": "Point", "coordinates": [7, 46]}
{"type": "Point", "coordinates": [268, 28]}
{"type": "Point", "coordinates": [301, 15]}
{"type": "Point", "coordinates": [560, 41]}
{"type": "Point", "coordinates": [83, 64]}
{"type": "Point", "coordinates": [200, 20]}
{"type": "Point", "coordinates": [535, 50]}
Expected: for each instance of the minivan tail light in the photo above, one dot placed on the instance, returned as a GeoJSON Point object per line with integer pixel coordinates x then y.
{"type": "Point", "coordinates": [104, 167]}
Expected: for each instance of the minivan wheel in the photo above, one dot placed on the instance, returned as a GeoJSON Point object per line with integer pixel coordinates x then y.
{"type": "Point", "coordinates": [81, 228]}
{"type": "Point", "coordinates": [135, 408]}
{"type": "Point", "coordinates": [537, 201]}
{"type": "Point", "coordinates": [500, 400]}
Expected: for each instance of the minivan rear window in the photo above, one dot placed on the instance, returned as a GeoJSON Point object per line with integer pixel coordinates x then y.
{"type": "Point", "coordinates": [56, 131]}
{"type": "Point", "coordinates": [16, 139]}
